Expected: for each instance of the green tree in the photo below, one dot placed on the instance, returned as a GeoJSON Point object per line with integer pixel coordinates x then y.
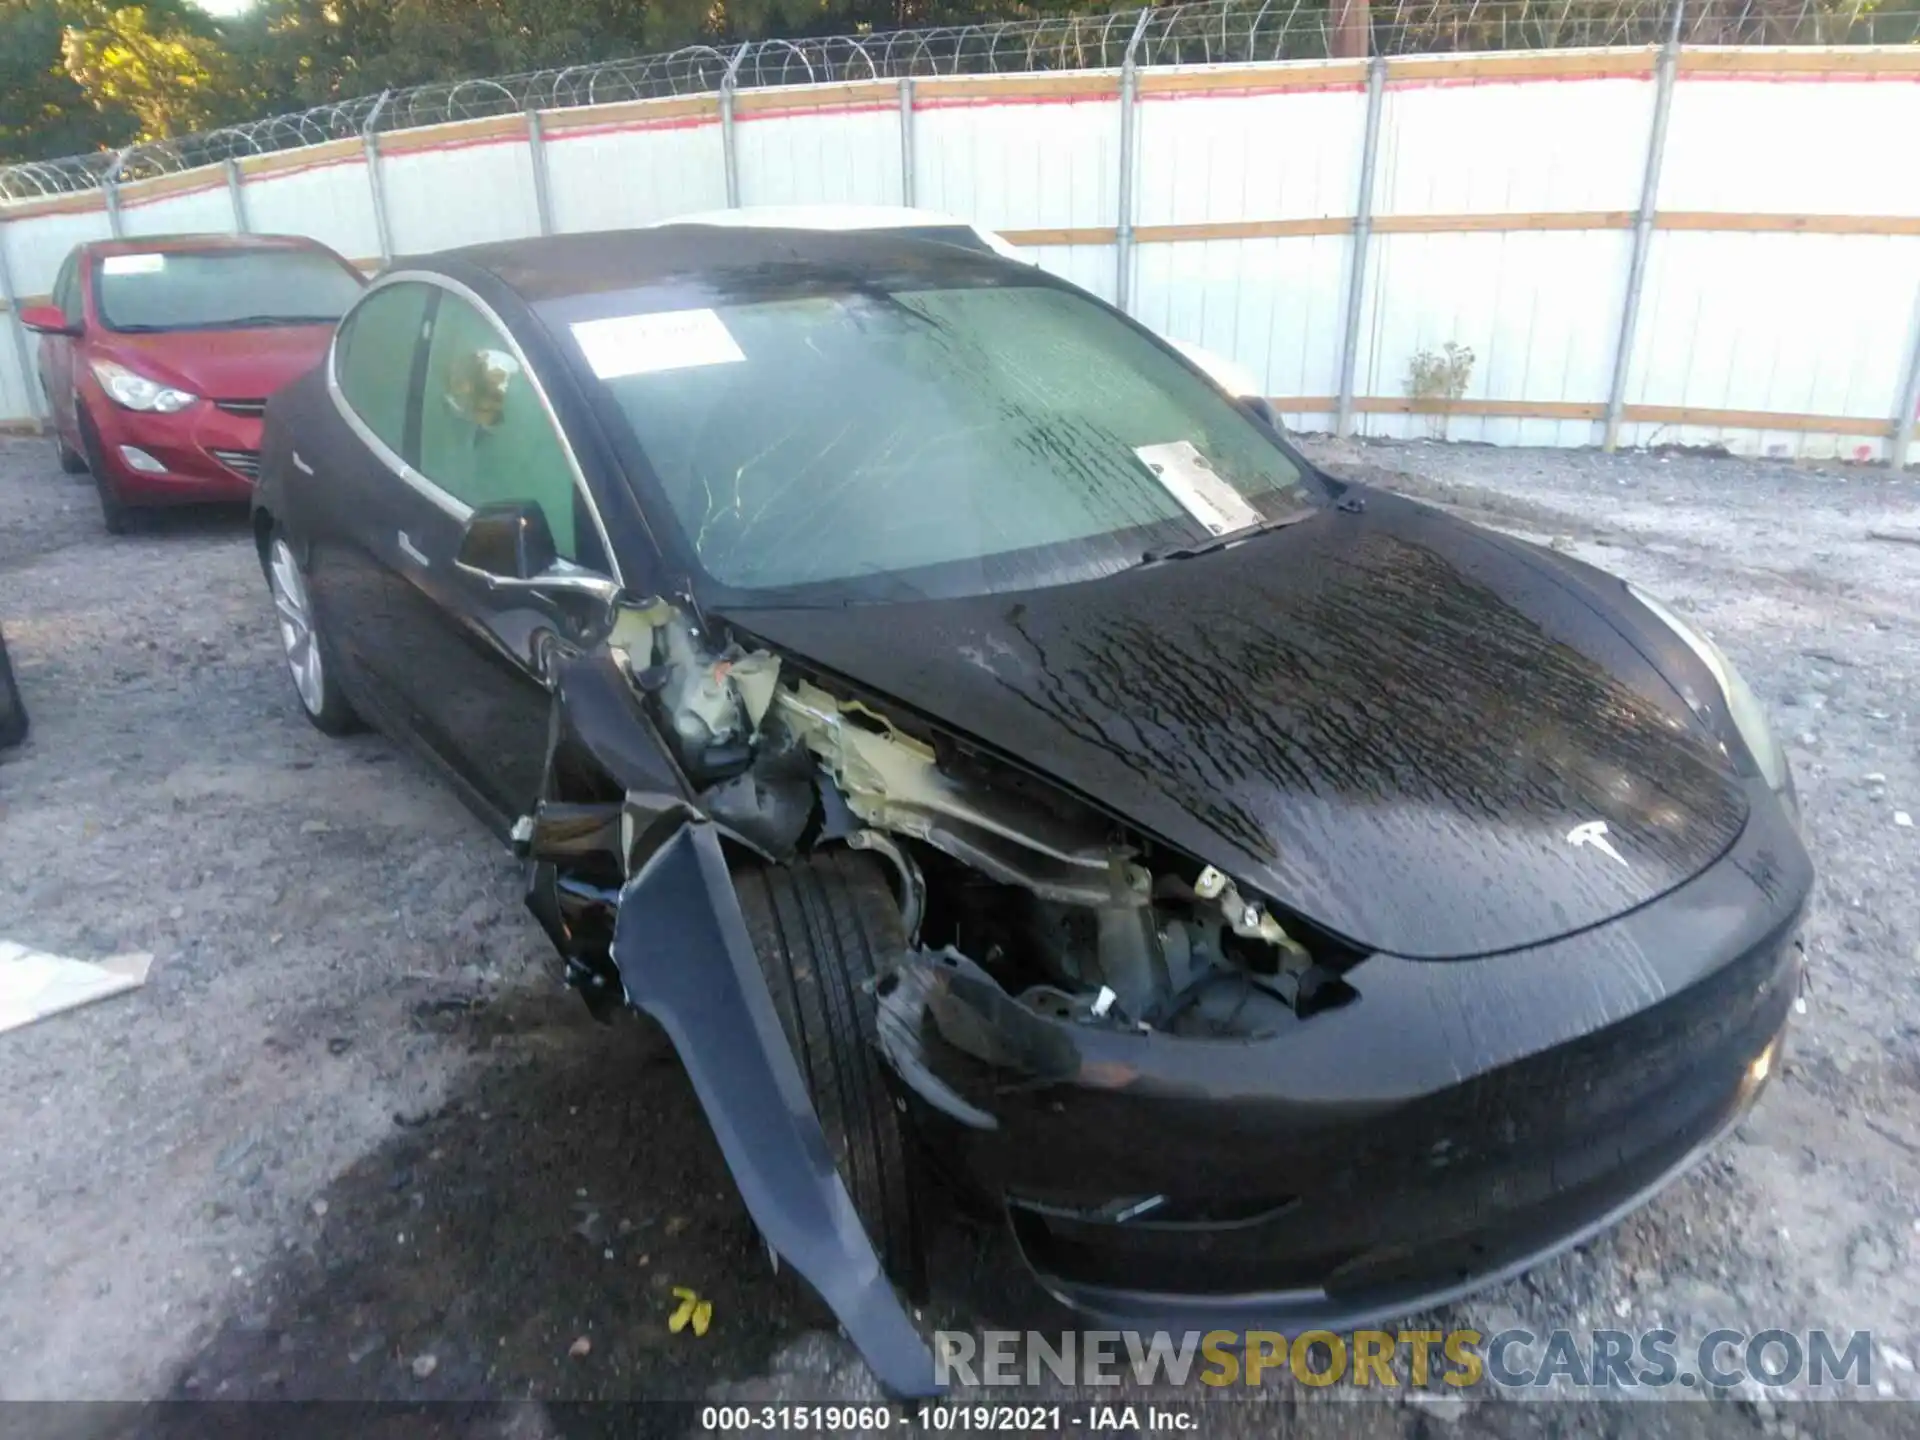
{"type": "Point", "coordinates": [162, 62]}
{"type": "Point", "coordinates": [43, 111]}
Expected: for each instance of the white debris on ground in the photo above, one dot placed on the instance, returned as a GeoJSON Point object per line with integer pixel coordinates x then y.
{"type": "Point", "coordinates": [35, 984]}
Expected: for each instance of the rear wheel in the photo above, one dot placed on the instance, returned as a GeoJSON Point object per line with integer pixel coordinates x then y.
{"type": "Point", "coordinates": [308, 660]}
{"type": "Point", "coordinates": [822, 928]}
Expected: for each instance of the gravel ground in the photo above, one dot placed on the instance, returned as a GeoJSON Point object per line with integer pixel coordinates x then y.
{"type": "Point", "coordinates": [353, 1138]}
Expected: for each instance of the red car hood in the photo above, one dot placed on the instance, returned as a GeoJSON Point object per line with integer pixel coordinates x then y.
{"type": "Point", "coordinates": [248, 364]}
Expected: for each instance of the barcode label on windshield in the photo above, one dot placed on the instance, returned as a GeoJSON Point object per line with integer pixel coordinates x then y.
{"type": "Point", "coordinates": [1191, 481]}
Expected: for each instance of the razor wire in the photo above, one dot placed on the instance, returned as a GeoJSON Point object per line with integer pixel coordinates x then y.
{"type": "Point", "coordinates": [1204, 32]}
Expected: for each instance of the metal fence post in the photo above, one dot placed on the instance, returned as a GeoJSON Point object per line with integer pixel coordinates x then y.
{"type": "Point", "coordinates": [110, 192]}
{"type": "Point", "coordinates": [21, 349]}
{"type": "Point", "coordinates": [1123, 230]}
{"type": "Point", "coordinates": [1903, 423]}
{"type": "Point", "coordinates": [542, 185]}
{"type": "Point", "coordinates": [370, 141]}
{"type": "Point", "coordinates": [236, 182]}
{"type": "Point", "coordinates": [906, 140]}
{"type": "Point", "coordinates": [1663, 74]}
{"type": "Point", "coordinates": [727, 155]}
{"type": "Point", "coordinates": [1362, 244]}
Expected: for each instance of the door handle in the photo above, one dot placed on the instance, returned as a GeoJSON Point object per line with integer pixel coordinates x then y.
{"type": "Point", "coordinates": [412, 551]}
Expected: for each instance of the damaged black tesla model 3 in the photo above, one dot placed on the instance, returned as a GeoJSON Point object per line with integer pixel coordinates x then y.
{"type": "Point", "coordinates": [993, 753]}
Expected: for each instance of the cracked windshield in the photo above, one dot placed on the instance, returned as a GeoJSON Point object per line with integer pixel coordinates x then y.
{"type": "Point", "coordinates": [945, 441]}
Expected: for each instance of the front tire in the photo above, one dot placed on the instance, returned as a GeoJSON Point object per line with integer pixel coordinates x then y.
{"type": "Point", "coordinates": [309, 658]}
{"type": "Point", "coordinates": [114, 512]}
{"type": "Point", "coordinates": [823, 927]}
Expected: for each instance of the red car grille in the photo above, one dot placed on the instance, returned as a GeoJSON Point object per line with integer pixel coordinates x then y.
{"type": "Point", "coordinates": [244, 462]}
{"type": "Point", "coordinates": [252, 409]}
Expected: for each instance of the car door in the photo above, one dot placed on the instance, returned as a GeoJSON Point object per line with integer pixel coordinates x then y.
{"type": "Point", "coordinates": [57, 357]}
{"type": "Point", "coordinates": [360, 493]}
{"type": "Point", "coordinates": [487, 435]}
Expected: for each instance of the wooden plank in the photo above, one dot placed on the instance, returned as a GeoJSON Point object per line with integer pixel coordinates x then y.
{"type": "Point", "coordinates": [1597, 64]}
{"type": "Point", "coordinates": [330, 152]}
{"type": "Point", "coordinates": [1521, 409]}
{"type": "Point", "coordinates": [1095, 84]}
{"type": "Point", "coordinates": [1287, 75]}
{"type": "Point", "coordinates": [1800, 60]}
{"type": "Point", "coordinates": [816, 97]}
{"type": "Point", "coordinates": [1758, 420]}
{"type": "Point", "coordinates": [455, 133]}
{"type": "Point", "coordinates": [630, 113]}
{"type": "Point", "coordinates": [180, 182]}
{"type": "Point", "coordinates": [1243, 229]}
{"type": "Point", "coordinates": [1088, 235]}
{"type": "Point", "coordinates": [1787, 224]}
{"type": "Point", "coordinates": [79, 202]}
{"type": "Point", "coordinates": [1305, 404]}
{"type": "Point", "coordinates": [1528, 220]}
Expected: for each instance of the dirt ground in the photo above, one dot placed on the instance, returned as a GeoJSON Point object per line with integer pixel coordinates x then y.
{"type": "Point", "coordinates": [355, 1140]}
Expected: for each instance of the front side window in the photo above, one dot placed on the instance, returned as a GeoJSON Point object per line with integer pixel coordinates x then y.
{"type": "Point", "coordinates": [927, 441]}
{"type": "Point", "coordinates": [374, 355]}
{"type": "Point", "coordinates": [485, 437]}
{"type": "Point", "coordinates": [222, 289]}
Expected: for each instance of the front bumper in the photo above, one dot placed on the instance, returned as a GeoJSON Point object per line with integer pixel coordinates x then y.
{"type": "Point", "coordinates": [208, 455]}
{"type": "Point", "coordinates": [1456, 1123]}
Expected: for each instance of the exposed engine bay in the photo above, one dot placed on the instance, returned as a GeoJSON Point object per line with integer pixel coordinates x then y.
{"type": "Point", "coordinates": [1063, 909]}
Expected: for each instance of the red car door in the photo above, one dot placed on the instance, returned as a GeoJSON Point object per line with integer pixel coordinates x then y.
{"type": "Point", "coordinates": [57, 352]}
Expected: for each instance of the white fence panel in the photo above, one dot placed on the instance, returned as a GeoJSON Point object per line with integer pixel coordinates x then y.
{"type": "Point", "coordinates": [203, 208]}
{"type": "Point", "coordinates": [1019, 165]}
{"type": "Point", "coordinates": [635, 172]}
{"type": "Point", "coordinates": [1274, 305]}
{"type": "Point", "coordinates": [1523, 146]}
{"type": "Point", "coordinates": [36, 246]}
{"type": "Point", "coordinates": [1211, 157]}
{"type": "Point", "coordinates": [1816, 325]}
{"type": "Point", "coordinates": [329, 200]}
{"type": "Point", "coordinates": [843, 156]}
{"type": "Point", "coordinates": [1812, 144]}
{"type": "Point", "coordinates": [1538, 309]}
{"type": "Point", "coordinates": [459, 194]}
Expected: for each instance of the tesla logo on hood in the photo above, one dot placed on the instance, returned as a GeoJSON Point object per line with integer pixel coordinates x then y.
{"type": "Point", "coordinates": [1594, 833]}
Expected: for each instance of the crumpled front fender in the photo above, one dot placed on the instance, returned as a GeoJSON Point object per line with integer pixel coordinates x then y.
{"type": "Point", "coordinates": [685, 958]}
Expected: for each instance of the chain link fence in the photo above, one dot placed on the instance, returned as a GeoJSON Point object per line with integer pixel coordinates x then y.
{"type": "Point", "coordinates": [1206, 32]}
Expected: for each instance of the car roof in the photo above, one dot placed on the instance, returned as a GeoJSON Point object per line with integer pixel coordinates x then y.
{"type": "Point", "coordinates": [821, 217]}
{"type": "Point", "coordinates": [554, 267]}
{"type": "Point", "coordinates": [185, 241]}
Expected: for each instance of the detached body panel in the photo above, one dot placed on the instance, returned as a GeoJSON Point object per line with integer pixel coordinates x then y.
{"type": "Point", "coordinates": [685, 959]}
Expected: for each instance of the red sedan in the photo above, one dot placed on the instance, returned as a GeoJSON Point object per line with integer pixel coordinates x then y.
{"type": "Point", "coordinates": [159, 354]}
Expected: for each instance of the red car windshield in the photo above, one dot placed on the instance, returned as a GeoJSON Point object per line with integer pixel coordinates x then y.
{"type": "Point", "coordinates": [221, 289]}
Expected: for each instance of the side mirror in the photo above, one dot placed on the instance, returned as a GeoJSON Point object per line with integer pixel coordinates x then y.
{"type": "Point", "coordinates": [1258, 407]}
{"type": "Point", "coordinates": [47, 320]}
{"type": "Point", "coordinates": [509, 546]}
{"type": "Point", "coordinates": [510, 540]}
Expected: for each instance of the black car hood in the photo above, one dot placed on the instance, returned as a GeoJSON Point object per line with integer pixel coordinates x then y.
{"type": "Point", "coordinates": [1388, 722]}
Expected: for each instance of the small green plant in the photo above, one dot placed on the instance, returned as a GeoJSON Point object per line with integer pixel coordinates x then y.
{"type": "Point", "coordinates": [1439, 378]}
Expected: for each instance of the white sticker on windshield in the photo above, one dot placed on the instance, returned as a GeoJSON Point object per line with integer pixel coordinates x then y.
{"type": "Point", "coordinates": [668, 340]}
{"type": "Point", "coordinates": [133, 264]}
{"type": "Point", "coordinates": [1191, 480]}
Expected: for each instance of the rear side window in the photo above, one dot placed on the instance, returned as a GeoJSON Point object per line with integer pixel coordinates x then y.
{"type": "Point", "coordinates": [374, 358]}
{"type": "Point", "coordinates": [484, 435]}
{"type": "Point", "coordinates": [66, 290]}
